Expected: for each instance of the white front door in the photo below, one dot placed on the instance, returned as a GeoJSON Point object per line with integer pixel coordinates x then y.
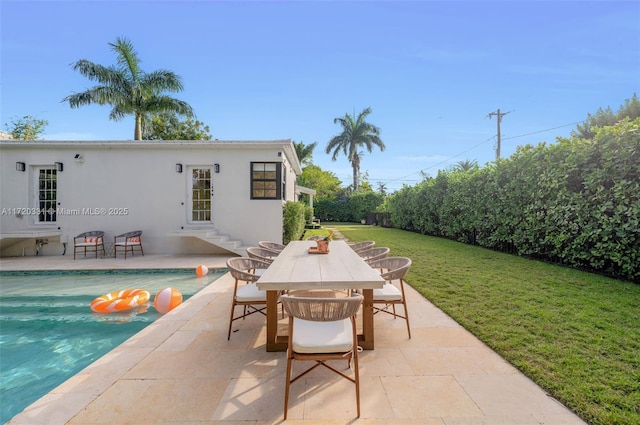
{"type": "Point", "coordinates": [201, 195]}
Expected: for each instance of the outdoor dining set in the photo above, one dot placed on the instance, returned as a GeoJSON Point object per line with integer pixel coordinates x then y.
{"type": "Point", "coordinates": [321, 291]}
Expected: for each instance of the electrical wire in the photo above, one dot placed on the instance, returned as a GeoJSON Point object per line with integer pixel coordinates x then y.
{"type": "Point", "coordinates": [403, 179]}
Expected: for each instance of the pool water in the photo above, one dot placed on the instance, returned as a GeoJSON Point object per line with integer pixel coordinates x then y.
{"type": "Point", "coordinates": [48, 333]}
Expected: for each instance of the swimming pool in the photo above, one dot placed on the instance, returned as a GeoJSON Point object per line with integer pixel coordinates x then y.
{"type": "Point", "coordinates": [48, 333]}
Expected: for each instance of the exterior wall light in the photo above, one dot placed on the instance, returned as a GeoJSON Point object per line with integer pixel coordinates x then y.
{"type": "Point", "coordinates": [178, 168]}
{"type": "Point", "coordinates": [21, 166]}
{"type": "Point", "coordinates": [59, 166]}
{"type": "Point", "coordinates": [216, 168]}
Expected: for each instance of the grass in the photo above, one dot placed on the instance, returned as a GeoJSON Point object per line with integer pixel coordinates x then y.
{"type": "Point", "coordinates": [576, 334]}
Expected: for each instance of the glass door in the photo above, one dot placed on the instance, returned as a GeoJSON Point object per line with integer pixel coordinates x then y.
{"type": "Point", "coordinates": [201, 195]}
{"type": "Point", "coordinates": [47, 194]}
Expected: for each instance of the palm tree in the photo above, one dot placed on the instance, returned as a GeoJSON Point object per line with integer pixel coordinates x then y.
{"type": "Point", "coordinates": [466, 165]}
{"type": "Point", "coordinates": [127, 88]}
{"type": "Point", "coordinates": [355, 134]}
{"type": "Point", "coordinates": [304, 152]}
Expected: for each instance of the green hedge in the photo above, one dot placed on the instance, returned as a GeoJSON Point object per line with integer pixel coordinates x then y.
{"type": "Point", "coordinates": [351, 209]}
{"type": "Point", "coordinates": [293, 216]}
{"type": "Point", "coordinates": [575, 202]}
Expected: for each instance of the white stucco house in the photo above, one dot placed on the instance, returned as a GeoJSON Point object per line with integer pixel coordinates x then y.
{"type": "Point", "coordinates": [187, 197]}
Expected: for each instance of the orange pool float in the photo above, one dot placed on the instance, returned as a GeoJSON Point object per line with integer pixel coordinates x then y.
{"type": "Point", "coordinates": [120, 300]}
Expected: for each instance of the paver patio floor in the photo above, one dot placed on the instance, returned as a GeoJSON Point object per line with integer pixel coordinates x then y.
{"type": "Point", "coordinates": [182, 370]}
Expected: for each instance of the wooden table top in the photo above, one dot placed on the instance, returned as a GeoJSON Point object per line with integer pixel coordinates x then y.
{"type": "Point", "coordinates": [341, 268]}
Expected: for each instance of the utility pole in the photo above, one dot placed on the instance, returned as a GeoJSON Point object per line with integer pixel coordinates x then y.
{"type": "Point", "coordinates": [499, 115]}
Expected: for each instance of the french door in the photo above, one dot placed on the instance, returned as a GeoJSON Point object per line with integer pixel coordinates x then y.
{"type": "Point", "coordinates": [201, 195]}
{"type": "Point", "coordinates": [46, 193]}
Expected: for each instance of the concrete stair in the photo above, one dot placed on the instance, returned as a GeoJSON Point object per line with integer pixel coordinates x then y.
{"type": "Point", "coordinates": [214, 237]}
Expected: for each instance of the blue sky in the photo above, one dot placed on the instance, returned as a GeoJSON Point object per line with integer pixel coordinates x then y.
{"type": "Point", "coordinates": [431, 71]}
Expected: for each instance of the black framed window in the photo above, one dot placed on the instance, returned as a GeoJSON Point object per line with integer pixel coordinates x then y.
{"type": "Point", "coordinates": [266, 178]}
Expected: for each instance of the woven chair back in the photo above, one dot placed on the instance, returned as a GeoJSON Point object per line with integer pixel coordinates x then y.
{"type": "Point", "coordinates": [262, 254]}
{"type": "Point", "coordinates": [271, 245]}
{"type": "Point", "coordinates": [396, 267]}
{"type": "Point", "coordinates": [321, 309]}
{"type": "Point", "coordinates": [239, 268]}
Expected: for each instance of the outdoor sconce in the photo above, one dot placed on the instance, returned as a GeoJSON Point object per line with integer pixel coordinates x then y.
{"type": "Point", "coordinates": [59, 166]}
{"type": "Point", "coordinates": [178, 168]}
{"type": "Point", "coordinates": [216, 168]}
{"type": "Point", "coordinates": [279, 153]}
{"type": "Point", "coordinates": [20, 166]}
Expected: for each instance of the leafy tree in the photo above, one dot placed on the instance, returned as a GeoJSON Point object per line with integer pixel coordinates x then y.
{"type": "Point", "coordinates": [169, 127]}
{"type": "Point", "coordinates": [325, 183]}
{"type": "Point", "coordinates": [356, 133]}
{"type": "Point", "coordinates": [606, 117]}
{"type": "Point", "coordinates": [304, 152]}
{"type": "Point", "coordinates": [26, 128]}
{"type": "Point", "coordinates": [128, 89]}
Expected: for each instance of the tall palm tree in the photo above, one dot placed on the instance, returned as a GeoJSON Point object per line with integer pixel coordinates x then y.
{"type": "Point", "coordinates": [355, 134]}
{"type": "Point", "coordinates": [129, 89]}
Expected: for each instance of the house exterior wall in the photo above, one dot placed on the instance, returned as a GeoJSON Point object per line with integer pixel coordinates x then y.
{"type": "Point", "coordinates": [118, 187]}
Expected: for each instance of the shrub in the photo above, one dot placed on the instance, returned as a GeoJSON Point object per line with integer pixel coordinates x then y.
{"type": "Point", "coordinates": [293, 221]}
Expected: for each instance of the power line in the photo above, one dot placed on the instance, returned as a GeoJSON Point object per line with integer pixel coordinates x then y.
{"type": "Point", "coordinates": [442, 162]}
{"type": "Point", "coordinates": [404, 178]}
{"type": "Point", "coordinates": [542, 131]}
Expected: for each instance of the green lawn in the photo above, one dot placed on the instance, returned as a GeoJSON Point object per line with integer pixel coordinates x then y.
{"type": "Point", "coordinates": [576, 334]}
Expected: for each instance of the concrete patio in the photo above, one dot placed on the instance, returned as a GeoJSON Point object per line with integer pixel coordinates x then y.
{"type": "Point", "coordinates": [182, 370]}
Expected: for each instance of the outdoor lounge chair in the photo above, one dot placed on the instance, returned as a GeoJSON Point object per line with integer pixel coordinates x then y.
{"type": "Point", "coordinates": [93, 241]}
{"type": "Point", "coordinates": [128, 241]}
{"type": "Point", "coordinates": [322, 329]}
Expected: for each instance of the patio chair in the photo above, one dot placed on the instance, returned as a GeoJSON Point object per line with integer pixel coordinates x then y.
{"type": "Point", "coordinates": [274, 246]}
{"type": "Point", "coordinates": [93, 241]}
{"type": "Point", "coordinates": [393, 270]}
{"type": "Point", "coordinates": [322, 329]}
{"type": "Point", "coordinates": [373, 254]}
{"type": "Point", "coordinates": [262, 254]}
{"type": "Point", "coordinates": [128, 241]}
{"type": "Point", "coordinates": [247, 295]}
{"type": "Point", "coordinates": [361, 246]}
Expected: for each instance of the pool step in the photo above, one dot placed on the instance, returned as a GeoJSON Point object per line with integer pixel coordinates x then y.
{"type": "Point", "coordinates": [62, 309]}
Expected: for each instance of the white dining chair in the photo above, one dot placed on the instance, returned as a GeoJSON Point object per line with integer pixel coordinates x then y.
{"type": "Point", "coordinates": [322, 329]}
{"type": "Point", "coordinates": [247, 295]}
{"type": "Point", "coordinates": [393, 270]}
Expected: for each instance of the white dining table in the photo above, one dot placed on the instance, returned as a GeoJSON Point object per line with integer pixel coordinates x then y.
{"type": "Point", "coordinates": [295, 268]}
